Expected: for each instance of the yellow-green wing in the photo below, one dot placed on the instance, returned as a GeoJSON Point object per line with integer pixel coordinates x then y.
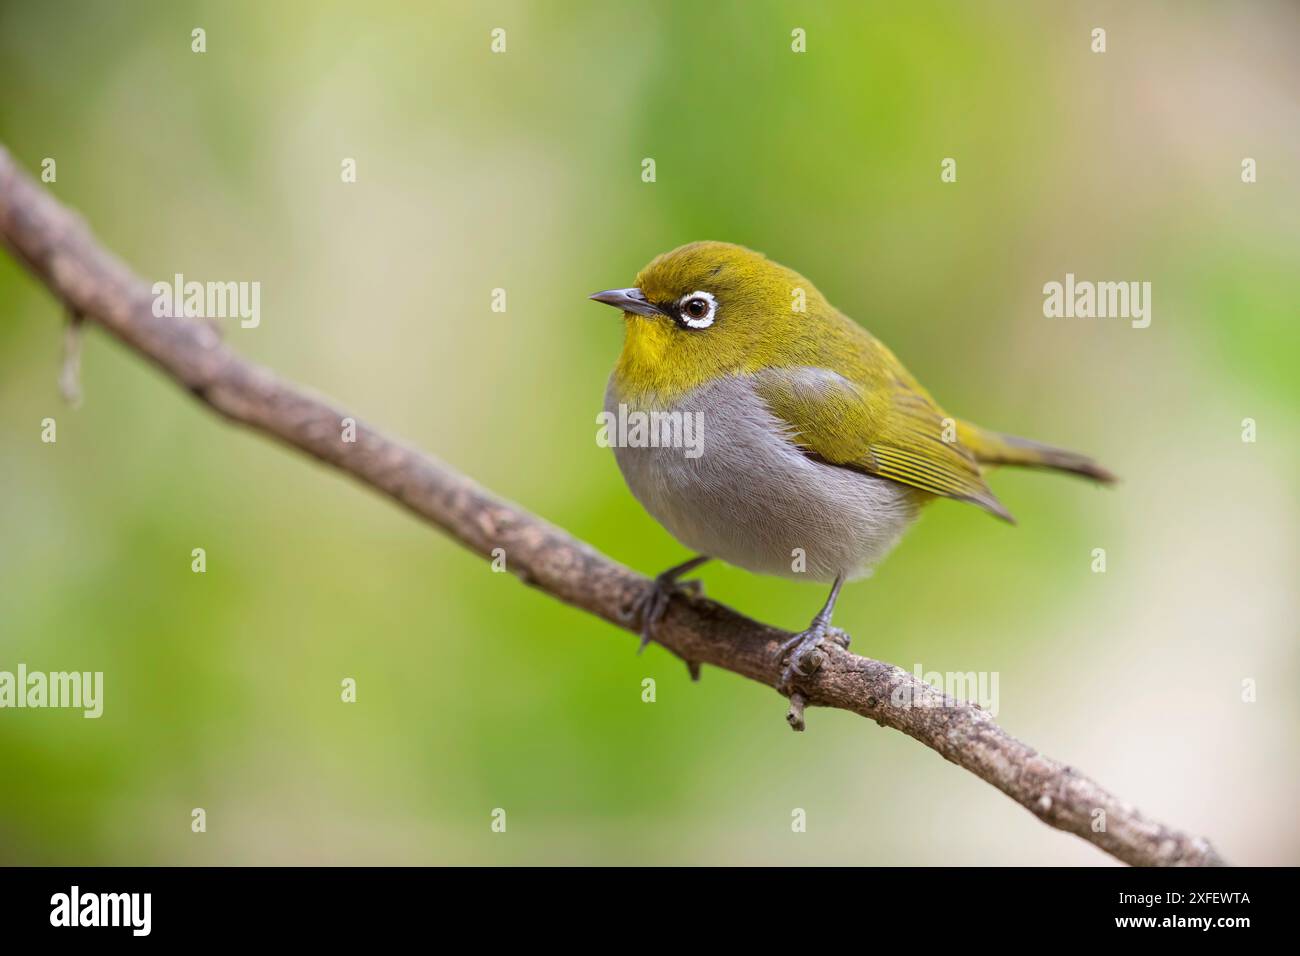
{"type": "Point", "coordinates": [892, 430]}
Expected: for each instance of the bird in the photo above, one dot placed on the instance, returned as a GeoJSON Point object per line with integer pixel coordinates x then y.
{"type": "Point", "coordinates": [816, 448]}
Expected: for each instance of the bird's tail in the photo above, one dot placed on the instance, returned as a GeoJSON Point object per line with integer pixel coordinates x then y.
{"type": "Point", "coordinates": [992, 448]}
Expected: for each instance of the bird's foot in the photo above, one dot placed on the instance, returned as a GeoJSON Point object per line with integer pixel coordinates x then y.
{"type": "Point", "coordinates": [653, 604]}
{"type": "Point", "coordinates": [802, 654]}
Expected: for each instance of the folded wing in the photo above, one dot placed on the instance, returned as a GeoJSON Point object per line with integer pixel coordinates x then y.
{"type": "Point", "coordinates": [892, 430]}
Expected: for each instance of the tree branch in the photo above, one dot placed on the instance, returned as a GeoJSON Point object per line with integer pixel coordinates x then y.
{"type": "Point", "coordinates": [58, 249]}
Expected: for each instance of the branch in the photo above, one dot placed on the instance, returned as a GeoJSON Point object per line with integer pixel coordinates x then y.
{"type": "Point", "coordinates": [58, 249]}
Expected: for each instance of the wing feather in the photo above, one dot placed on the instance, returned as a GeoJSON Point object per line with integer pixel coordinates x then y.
{"type": "Point", "coordinates": [895, 431]}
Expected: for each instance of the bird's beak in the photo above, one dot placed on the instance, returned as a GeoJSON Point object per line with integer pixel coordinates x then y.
{"type": "Point", "coordinates": [629, 300]}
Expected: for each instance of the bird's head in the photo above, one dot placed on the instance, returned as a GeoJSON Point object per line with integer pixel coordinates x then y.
{"type": "Point", "coordinates": [709, 309]}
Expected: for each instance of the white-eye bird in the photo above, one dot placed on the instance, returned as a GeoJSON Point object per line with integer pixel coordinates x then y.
{"type": "Point", "coordinates": [816, 441]}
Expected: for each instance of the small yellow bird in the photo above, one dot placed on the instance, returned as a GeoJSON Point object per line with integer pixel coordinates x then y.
{"type": "Point", "coordinates": [816, 449]}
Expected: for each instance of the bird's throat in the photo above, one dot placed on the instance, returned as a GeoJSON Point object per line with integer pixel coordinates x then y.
{"type": "Point", "coordinates": [658, 364]}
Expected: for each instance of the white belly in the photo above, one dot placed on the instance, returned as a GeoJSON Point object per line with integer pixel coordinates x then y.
{"type": "Point", "coordinates": [752, 499]}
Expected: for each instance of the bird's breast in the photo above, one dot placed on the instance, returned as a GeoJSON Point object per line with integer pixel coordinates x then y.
{"type": "Point", "coordinates": [717, 470]}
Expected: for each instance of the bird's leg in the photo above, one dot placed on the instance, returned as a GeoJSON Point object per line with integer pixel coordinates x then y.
{"type": "Point", "coordinates": [652, 605]}
{"type": "Point", "coordinates": [802, 654]}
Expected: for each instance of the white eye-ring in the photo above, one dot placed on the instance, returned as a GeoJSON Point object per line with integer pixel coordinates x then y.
{"type": "Point", "coordinates": [697, 310]}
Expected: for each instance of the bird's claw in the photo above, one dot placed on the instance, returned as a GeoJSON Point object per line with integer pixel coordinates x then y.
{"type": "Point", "coordinates": [652, 605]}
{"type": "Point", "coordinates": [802, 654]}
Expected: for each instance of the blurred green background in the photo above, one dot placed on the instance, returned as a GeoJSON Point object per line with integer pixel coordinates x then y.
{"type": "Point", "coordinates": [522, 170]}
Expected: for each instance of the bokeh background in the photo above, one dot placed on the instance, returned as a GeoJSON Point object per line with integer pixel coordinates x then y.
{"type": "Point", "coordinates": [522, 171]}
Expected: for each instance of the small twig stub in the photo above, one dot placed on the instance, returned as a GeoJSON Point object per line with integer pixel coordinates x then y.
{"type": "Point", "coordinates": [70, 370]}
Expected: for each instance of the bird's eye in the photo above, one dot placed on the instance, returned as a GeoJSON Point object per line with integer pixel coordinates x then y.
{"type": "Point", "coordinates": [696, 311]}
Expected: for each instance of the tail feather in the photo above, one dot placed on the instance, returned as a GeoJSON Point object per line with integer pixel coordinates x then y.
{"type": "Point", "coordinates": [992, 448]}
